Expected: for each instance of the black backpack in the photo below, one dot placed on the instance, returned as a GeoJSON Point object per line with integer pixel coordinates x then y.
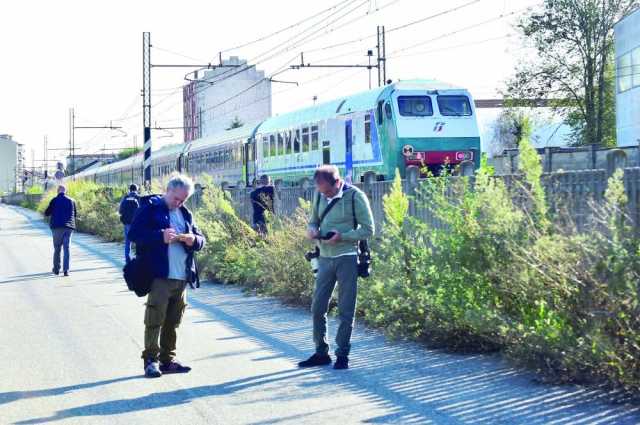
{"type": "Point", "coordinates": [128, 208]}
{"type": "Point", "coordinates": [136, 275]}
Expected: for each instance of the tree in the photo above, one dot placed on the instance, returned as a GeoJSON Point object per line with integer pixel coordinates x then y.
{"type": "Point", "coordinates": [512, 126]}
{"type": "Point", "coordinates": [574, 44]}
{"type": "Point", "coordinates": [127, 152]}
{"type": "Point", "coordinates": [236, 123]}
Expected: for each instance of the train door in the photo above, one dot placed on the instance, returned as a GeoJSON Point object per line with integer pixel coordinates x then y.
{"type": "Point", "coordinates": [348, 150]}
{"type": "Point", "coordinates": [249, 161]}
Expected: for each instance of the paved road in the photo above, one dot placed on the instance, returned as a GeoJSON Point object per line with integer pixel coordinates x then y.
{"type": "Point", "coordinates": [70, 349]}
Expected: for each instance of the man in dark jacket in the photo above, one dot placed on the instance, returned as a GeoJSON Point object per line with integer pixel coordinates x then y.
{"type": "Point", "coordinates": [166, 240]}
{"type": "Point", "coordinates": [128, 207]}
{"type": "Point", "coordinates": [62, 211]}
{"type": "Point", "coordinates": [261, 201]}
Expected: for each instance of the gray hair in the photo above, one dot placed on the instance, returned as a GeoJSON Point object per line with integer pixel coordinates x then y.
{"type": "Point", "coordinates": [180, 181]}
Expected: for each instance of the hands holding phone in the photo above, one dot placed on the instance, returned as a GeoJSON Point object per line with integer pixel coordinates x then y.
{"type": "Point", "coordinates": [170, 236]}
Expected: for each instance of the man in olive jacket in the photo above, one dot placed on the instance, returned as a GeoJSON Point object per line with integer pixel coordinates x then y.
{"type": "Point", "coordinates": [337, 234]}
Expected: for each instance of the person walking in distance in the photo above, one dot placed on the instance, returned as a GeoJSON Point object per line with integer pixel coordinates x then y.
{"type": "Point", "coordinates": [128, 207]}
{"type": "Point", "coordinates": [261, 201]}
{"type": "Point", "coordinates": [340, 217]}
{"type": "Point", "coordinates": [62, 212]}
{"type": "Point", "coordinates": [166, 239]}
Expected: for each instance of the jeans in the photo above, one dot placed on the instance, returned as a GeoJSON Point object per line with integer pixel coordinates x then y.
{"type": "Point", "coordinates": [61, 238]}
{"type": "Point", "coordinates": [344, 270]}
{"type": "Point", "coordinates": [127, 243]}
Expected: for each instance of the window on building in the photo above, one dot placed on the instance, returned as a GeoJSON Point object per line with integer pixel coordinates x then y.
{"type": "Point", "coordinates": [635, 62]}
{"type": "Point", "coordinates": [305, 138]}
{"type": "Point", "coordinates": [625, 73]}
{"type": "Point", "coordinates": [367, 128]}
{"type": "Point", "coordinates": [314, 138]}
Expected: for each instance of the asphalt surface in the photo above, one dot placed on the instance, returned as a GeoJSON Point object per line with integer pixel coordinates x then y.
{"type": "Point", "coordinates": [70, 352]}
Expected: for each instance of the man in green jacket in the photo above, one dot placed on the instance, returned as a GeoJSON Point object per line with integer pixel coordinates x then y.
{"type": "Point", "coordinates": [340, 217]}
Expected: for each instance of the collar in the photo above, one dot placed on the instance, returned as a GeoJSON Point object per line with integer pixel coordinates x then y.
{"type": "Point", "coordinates": [337, 195]}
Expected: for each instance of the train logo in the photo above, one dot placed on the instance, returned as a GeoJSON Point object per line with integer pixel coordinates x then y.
{"type": "Point", "coordinates": [439, 127]}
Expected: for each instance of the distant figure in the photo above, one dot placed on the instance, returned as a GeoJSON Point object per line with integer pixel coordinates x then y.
{"type": "Point", "coordinates": [128, 207]}
{"type": "Point", "coordinates": [62, 211]}
{"type": "Point", "coordinates": [261, 201]}
{"type": "Point", "coordinates": [166, 241]}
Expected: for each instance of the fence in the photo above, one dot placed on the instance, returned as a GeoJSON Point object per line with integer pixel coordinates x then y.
{"type": "Point", "coordinates": [21, 199]}
{"type": "Point", "coordinates": [572, 192]}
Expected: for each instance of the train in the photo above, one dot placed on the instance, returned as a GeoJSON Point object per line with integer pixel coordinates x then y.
{"type": "Point", "coordinates": [422, 124]}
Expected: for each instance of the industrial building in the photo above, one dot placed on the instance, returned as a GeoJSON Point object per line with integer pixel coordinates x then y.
{"type": "Point", "coordinates": [627, 45]}
{"type": "Point", "coordinates": [11, 164]}
{"type": "Point", "coordinates": [224, 97]}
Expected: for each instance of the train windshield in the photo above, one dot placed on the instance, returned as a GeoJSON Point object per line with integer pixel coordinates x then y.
{"type": "Point", "coordinates": [454, 106]}
{"type": "Point", "coordinates": [415, 106]}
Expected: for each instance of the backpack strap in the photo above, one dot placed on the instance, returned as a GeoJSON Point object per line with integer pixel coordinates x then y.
{"type": "Point", "coordinates": [353, 210]}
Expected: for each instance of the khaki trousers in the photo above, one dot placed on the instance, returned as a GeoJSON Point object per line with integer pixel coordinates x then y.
{"type": "Point", "coordinates": [166, 304]}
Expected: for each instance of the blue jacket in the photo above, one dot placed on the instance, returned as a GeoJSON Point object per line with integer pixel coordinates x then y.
{"type": "Point", "coordinates": [62, 211]}
{"type": "Point", "coordinates": [151, 251]}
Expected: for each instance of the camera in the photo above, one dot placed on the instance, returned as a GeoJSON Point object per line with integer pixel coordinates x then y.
{"type": "Point", "coordinates": [312, 257]}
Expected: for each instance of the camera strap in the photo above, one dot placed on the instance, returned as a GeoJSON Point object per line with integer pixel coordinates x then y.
{"type": "Point", "coordinates": [331, 204]}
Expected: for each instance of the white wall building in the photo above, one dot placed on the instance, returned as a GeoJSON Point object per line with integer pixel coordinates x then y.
{"type": "Point", "coordinates": [11, 163]}
{"type": "Point", "coordinates": [627, 36]}
{"type": "Point", "coordinates": [220, 96]}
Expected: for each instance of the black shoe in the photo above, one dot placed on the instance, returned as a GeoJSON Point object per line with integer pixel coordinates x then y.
{"type": "Point", "coordinates": [66, 273]}
{"type": "Point", "coordinates": [174, 367]}
{"type": "Point", "coordinates": [316, 360]}
{"type": "Point", "coordinates": [151, 369]}
{"type": "Point", "coordinates": [56, 272]}
{"type": "Point", "coordinates": [342, 362]}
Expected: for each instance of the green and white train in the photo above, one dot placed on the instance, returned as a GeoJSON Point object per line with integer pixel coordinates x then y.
{"type": "Point", "coordinates": [418, 123]}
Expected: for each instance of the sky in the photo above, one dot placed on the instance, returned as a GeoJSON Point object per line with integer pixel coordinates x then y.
{"type": "Point", "coordinates": [88, 55]}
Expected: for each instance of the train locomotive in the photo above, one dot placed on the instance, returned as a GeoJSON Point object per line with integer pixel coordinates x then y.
{"type": "Point", "coordinates": [419, 123]}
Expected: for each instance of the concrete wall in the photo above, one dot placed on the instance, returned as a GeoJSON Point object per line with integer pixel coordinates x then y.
{"type": "Point", "coordinates": [627, 44]}
{"type": "Point", "coordinates": [8, 163]}
{"type": "Point", "coordinates": [569, 159]}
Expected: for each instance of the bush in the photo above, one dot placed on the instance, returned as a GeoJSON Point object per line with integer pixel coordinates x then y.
{"type": "Point", "coordinates": [497, 272]}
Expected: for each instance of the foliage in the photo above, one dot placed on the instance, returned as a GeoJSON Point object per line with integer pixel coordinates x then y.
{"type": "Point", "coordinates": [126, 153]}
{"type": "Point", "coordinates": [573, 40]}
{"type": "Point", "coordinates": [492, 271]}
{"type": "Point", "coordinates": [512, 126]}
{"type": "Point", "coordinates": [235, 123]}
{"type": "Point", "coordinates": [97, 208]}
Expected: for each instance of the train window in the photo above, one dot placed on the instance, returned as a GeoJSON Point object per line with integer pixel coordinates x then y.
{"type": "Point", "coordinates": [454, 106]}
{"type": "Point", "coordinates": [265, 147]}
{"type": "Point", "coordinates": [380, 112]}
{"type": "Point", "coordinates": [272, 144]}
{"type": "Point", "coordinates": [280, 148]}
{"type": "Point", "coordinates": [326, 152]}
{"type": "Point", "coordinates": [387, 110]}
{"type": "Point", "coordinates": [367, 128]}
{"type": "Point", "coordinates": [288, 143]}
{"type": "Point", "coordinates": [415, 106]}
{"type": "Point", "coordinates": [296, 144]}
{"type": "Point", "coordinates": [305, 138]}
{"type": "Point", "coordinates": [314, 138]}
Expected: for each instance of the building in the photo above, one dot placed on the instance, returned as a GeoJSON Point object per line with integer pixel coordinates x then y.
{"type": "Point", "coordinates": [627, 43]}
{"type": "Point", "coordinates": [11, 164]}
{"type": "Point", "coordinates": [225, 97]}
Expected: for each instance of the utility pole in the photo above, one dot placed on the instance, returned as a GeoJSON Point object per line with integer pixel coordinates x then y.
{"type": "Point", "coordinates": [45, 174]}
{"type": "Point", "coordinates": [146, 105]}
{"type": "Point", "coordinates": [380, 62]}
{"type": "Point", "coordinates": [72, 147]}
